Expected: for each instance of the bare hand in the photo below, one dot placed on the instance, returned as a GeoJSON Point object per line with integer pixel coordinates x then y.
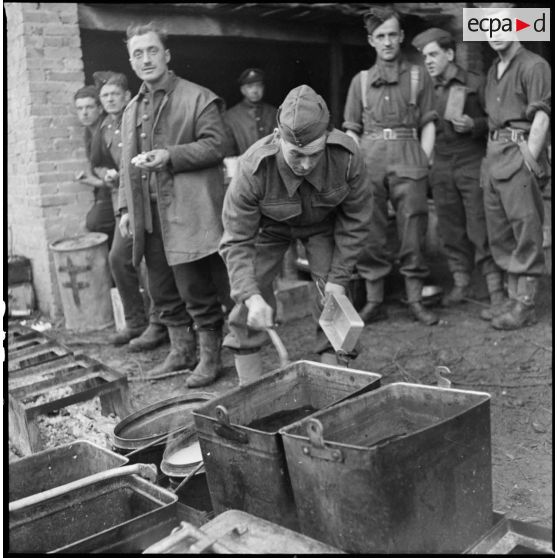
{"type": "Point", "coordinates": [260, 314]}
{"type": "Point", "coordinates": [111, 177]}
{"type": "Point", "coordinates": [125, 226]}
{"type": "Point", "coordinates": [155, 160]}
{"type": "Point", "coordinates": [463, 124]}
{"type": "Point", "coordinates": [334, 288]}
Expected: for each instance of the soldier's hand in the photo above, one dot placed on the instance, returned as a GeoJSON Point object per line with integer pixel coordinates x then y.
{"type": "Point", "coordinates": [153, 160]}
{"type": "Point", "coordinates": [463, 124]}
{"type": "Point", "coordinates": [334, 288]}
{"type": "Point", "coordinates": [260, 314]}
{"type": "Point", "coordinates": [111, 177]}
{"type": "Point", "coordinates": [125, 226]}
{"type": "Point", "coordinates": [353, 135]}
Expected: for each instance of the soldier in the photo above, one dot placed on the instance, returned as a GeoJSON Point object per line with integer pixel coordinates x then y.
{"type": "Point", "coordinates": [172, 185]}
{"type": "Point", "coordinates": [251, 119]}
{"type": "Point", "coordinates": [454, 177]}
{"type": "Point", "coordinates": [516, 167]}
{"type": "Point", "coordinates": [304, 181]}
{"type": "Point", "coordinates": [389, 107]}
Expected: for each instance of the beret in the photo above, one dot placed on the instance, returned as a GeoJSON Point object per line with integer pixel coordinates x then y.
{"type": "Point", "coordinates": [429, 36]}
{"type": "Point", "coordinates": [303, 116]}
{"type": "Point", "coordinates": [251, 75]}
{"type": "Point", "coordinates": [113, 78]}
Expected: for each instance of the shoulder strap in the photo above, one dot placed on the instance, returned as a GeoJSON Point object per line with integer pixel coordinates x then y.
{"type": "Point", "coordinates": [414, 84]}
{"type": "Point", "coordinates": [363, 80]}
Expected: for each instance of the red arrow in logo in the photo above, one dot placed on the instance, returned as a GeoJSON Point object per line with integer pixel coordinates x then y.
{"type": "Point", "coordinates": [519, 24]}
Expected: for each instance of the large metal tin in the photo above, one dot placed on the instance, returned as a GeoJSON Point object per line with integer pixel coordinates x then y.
{"type": "Point", "coordinates": [54, 467]}
{"type": "Point", "coordinates": [402, 469]}
{"type": "Point", "coordinates": [237, 532]}
{"type": "Point", "coordinates": [126, 514]}
{"type": "Point", "coordinates": [245, 467]}
{"type": "Point", "coordinates": [340, 322]}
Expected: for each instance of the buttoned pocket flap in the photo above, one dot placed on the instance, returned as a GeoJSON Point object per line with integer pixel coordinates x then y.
{"type": "Point", "coordinates": [280, 210]}
{"type": "Point", "coordinates": [330, 198]}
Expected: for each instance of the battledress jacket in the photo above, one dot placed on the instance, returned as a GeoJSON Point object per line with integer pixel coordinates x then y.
{"type": "Point", "coordinates": [190, 190]}
{"type": "Point", "coordinates": [261, 199]}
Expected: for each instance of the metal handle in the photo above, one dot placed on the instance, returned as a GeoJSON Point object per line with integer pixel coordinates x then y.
{"type": "Point", "coordinates": [224, 428]}
{"type": "Point", "coordinates": [148, 471]}
{"type": "Point", "coordinates": [279, 347]}
{"type": "Point", "coordinates": [317, 448]}
{"type": "Point", "coordinates": [197, 468]}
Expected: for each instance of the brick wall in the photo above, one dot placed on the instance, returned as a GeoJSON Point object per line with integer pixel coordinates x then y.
{"type": "Point", "coordinates": [45, 140]}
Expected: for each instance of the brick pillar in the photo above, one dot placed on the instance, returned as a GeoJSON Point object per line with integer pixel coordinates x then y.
{"type": "Point", "coordinates": [45, 140]}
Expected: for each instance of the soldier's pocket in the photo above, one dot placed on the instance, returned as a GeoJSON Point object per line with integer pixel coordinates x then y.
{"type": "Point", "coordinates": [280, 210]}
{"type": "Point", "coordinates": [330, 198]}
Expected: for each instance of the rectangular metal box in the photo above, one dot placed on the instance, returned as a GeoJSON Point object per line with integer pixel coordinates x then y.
{"type": "Point", "coordinates": [403, 469]}
{"type": "Point", "coordinates": [245, 466]}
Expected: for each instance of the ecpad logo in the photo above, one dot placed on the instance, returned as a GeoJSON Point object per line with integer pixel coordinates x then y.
{"type": "Point", "coordinates": [506, 24]}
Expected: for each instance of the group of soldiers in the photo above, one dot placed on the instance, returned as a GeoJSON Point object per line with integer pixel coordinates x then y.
{"type": "Point", "coordinates": [212, 252]}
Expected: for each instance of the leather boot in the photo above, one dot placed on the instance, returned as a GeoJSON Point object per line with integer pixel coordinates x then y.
{"type": "Point", "coordinates": [152, 337]}
{"type": "Point", "coordinates": [414, 296]}
{"type": "Point", "coordinates": [183, 351]}
{"type": "Point", "coordinates": [374, 309]}
{"type": "Point", "coordinates": [126, 335]}
{"type": "Point", "coordinates": [499, 304]}
{"type": "Point", "coordinates": [460, 290]}
{"type": "Point", "coordinates": [248, 367]}
{"type": "Point", "coordinates": [523, 312]}
{"type": "Point", "coordinates": [209, 366]}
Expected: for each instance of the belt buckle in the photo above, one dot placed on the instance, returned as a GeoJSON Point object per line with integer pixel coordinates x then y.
{"type": "Point", "coordinates": [388, 133]}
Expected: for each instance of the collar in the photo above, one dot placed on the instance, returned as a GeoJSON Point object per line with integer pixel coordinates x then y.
{"type": "Point", "coordinates": [251, 105]}
{"type": "Point", "coordinates": [495, 62]}
{"type": "Point", "coordinates": [166, 86]}
{"type": "Point", "coordinates": [382, 75]}
{"type": "Point", "coordinates": [452, 73]}
{"type": "Point", "coordinates": [292, 181]}
{"type": "Point", "coordinates": [114, 121]}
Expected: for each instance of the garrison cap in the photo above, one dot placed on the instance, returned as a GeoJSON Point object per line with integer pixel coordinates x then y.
{"type": "Point", "coordinates": [112, 78]}
{"type": "Point", "coordinates": [429, 36]}
{"type": "Point", "coordinates": [251, 75]}
{"type": "Point", "coordinates": [303, 116]}
{"type": "Point", "coordinates": [374, 17]}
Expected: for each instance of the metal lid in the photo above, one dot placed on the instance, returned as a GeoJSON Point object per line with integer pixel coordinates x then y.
{"type": "Point", "coordinates": [81, 242]}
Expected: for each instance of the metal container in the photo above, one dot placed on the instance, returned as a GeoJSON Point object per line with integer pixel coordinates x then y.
{"type": "Point", "coordinates": [509, 536]}
{"type": "Point", "coordinates": [176, 465]}
{"type": "Point", "coordinates": [245, 464]}
{"type": "Point", "coordinates": [340, 322]}
{"type": "Point", "coordinates": [402, 469]}
{"type": "Point", "coordinates": [54, 467]}
{"type": "Point", "coordinates": [159, 420]}
{"type": "Point", "coordinates": [125, 514]}
{"type": "Point", "coordinates": [237, 532]}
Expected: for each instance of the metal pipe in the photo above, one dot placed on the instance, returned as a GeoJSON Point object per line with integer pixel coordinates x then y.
{"type": "Point", "coordinates": [279, 347]}
{"type": "Point", "coordinates": [189, 476]}
{"type": "Point", "coordinates": [148, 471]}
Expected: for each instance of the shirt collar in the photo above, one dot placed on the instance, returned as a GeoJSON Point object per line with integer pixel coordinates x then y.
{"type": "Point", "coordinates": [250, 104]}
{"type": "Point", "coordinates": [497, 59]}
{"type": "Point", "coordinates": [166, 86]}
{"type": "Point", "coordinates": [453, 73]}
{"type": "Point", "coordinates": [382, 75]}
{"type": "Point", "coordinates": [292, 182]}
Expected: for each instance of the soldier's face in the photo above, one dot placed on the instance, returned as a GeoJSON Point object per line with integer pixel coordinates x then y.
{"type": "Point", "coordinates": [113, 98]}
{"type": "Point", "coordinates": [253, 91]}
{"type": "Point", "coordinates": [148, 57]}
{"type": "Point", "coordinates": [436, 59]}
{"type": "Point", "coordinates": [88, 111]}
{"type": "Point", "coordinates": [300, 160]}
{"type": "Point", "coordinates": [386, 40]}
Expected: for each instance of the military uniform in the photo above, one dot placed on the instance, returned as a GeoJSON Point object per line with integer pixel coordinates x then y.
{"type": "Point", "coordinates": [512, 180]}
{"type": "Point", "coordinates": [455, 178]}
{"type": "Point", "coordinates": [389, 121]}
{"type": "Point", "coordinates": [267, 206]}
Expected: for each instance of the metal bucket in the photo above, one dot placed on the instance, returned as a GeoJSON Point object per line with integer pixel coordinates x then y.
{"type": "Point", "coordinates": [54, 467]}
{"type": "Point", "coordinates": [244, 461]}
{"type": "Point", "coordinates": [403, 469]}
{"type": "Point", "coordinates": [84, 281]}
{"type": "Point", "coordinates": [124, 514]}
{"type": "Point", "coordinates": [237, 532]}
{"type": "Point", "coordinates": [159, 420]}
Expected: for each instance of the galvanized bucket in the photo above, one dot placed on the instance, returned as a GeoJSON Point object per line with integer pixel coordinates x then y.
{"type": "Point", "coordinates": [241, 447]}
{"type": "Point", "coordinates": [402, 469]}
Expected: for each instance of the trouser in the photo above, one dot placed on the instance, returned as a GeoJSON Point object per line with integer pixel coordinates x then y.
{"type": "Point", "coordinates": [514, 217]}
{"type": "Point", "coordinates": [187, 292]}
{"type": "Point", "coordinates": [459, 205]}
{"type": "Point", "coordinates": [395, 173]}
{"type": "Point", "coordinates": [100, 218]}
{"type": "Point", "coordinates": [127, 280]}
{"type": "Point", "coordinates": [271, 246]}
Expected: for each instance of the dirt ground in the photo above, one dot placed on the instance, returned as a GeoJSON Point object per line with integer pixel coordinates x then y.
{"type": "Point", "coordinates": [515, 368]}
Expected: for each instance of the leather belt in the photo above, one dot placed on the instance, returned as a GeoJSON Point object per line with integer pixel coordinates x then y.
{"type": "Point", "coordinates": [508, 134]}
{"type": "Point", "coordinates": [392, 133]}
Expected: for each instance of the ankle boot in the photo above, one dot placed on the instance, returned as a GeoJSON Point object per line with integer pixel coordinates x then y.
{"type": "Point", "coordinates": [152, 337]}
{"type": "Point", "coordinates": [523, 311]}
{"type": "Point", "coordinates": [248, 367]}
{"type": "Point", "coordinates": [460, 290]}
{"type": "Point", "coordinates": [210, 366]}
{"type": "Point", "coordinates": [374, 309]}
{"type": "Point", "coordinates": [126, 335]}
{"type": "Point", "coordinates": [414, 296]}
{"type": "Point", "coordinates": [499, 304]}
{"type": "Point", "coordinates": [183, 351]}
